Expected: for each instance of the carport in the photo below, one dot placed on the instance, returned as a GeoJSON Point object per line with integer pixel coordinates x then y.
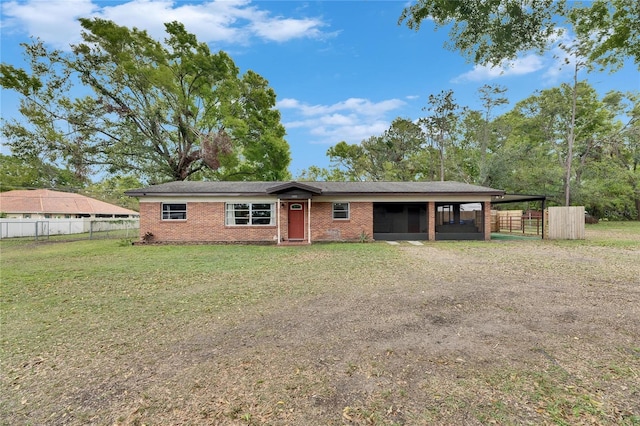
{"type": "Point", "coordinates": [400, 221]}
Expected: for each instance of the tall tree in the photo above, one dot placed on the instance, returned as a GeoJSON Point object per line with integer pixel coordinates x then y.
{"type": "Point", "coordinates": [32, 173]}
{"type": "Point", "coordinates": [171, 110]}
{"type": "Point", "coordinates": [47, 132]}
{"type": "Point", "coordinates": [441, 124]}
{"type": "Point", "coordinates": [571, 135]}
{"type": "Point", "coordinates": [521, 162]}
{"type": "Point", "coordinates": [631, 140]}
{"type": "Point", "coordinates": [396, 155]}
{"type": "Point", "coordinates": [488, 32]}
{"type": "Point", "coordinates": [492, 96]}
{"type": "Point", "coordinates": [111, 190]}
{"type": "Point", "coordinates": [576, 51]}
{"type": "Point", "coordinates": [324, 174]}
{"type": "Point", "coordinates": [610, 181]}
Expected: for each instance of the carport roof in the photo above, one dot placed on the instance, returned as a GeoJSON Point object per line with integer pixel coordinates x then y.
{"type": "Point", "coordinates": [320, 188]}
{"type": "Point", "coordinates": [516, 198]}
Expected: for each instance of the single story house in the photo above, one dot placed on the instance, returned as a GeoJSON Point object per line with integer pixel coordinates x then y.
{"type": "Point", "coordinates": [307, 212]}
{"type": "Point", "coordinates": [47, 204]}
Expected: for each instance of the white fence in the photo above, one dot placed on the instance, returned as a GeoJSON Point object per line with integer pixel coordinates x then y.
{"type": "Point", "coordinates": [93, 228]}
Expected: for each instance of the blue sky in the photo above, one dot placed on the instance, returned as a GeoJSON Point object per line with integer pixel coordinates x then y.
{"type": "Point", "coordinates": [342, 70]}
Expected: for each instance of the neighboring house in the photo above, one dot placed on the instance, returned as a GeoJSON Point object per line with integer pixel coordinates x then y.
{"type": "Point", "coordinates": [47, 204]}
{"type": "Point", "coordinates": [285, 212]}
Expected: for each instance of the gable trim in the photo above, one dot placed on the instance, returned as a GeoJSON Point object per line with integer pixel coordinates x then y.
{"type": "Point", "coordinates": [293, 187]}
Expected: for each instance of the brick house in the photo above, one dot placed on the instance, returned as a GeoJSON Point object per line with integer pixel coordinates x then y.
{"type": "Point", "coordinates": [306, 212]}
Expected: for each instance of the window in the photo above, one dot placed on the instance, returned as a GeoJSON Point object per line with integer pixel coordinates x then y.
{"type": "Point", "coordinates": [249, 214]}
{"type": "Point", "coordinates": [174, 212]}
{"type": "Point", "coordinates": [341, 210]}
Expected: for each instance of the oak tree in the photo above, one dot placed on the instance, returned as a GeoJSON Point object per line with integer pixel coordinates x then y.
{"type": "Point", "coordinates": [170, 110]}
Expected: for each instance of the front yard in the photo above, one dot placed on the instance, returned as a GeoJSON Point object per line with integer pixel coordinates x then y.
{"type": "Point", "coordinates": [506, 332]}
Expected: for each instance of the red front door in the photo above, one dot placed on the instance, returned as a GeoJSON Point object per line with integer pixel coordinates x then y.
{"type": "Point", "coordinates": [296, 221]}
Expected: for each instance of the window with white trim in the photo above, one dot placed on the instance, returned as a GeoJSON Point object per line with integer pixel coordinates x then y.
{"type": "Point", "coordinates": [174, 211]}
{"type": "Point", "coordinates": [341, 211]}
{"type": "Point", "coordinates": [250, 214]}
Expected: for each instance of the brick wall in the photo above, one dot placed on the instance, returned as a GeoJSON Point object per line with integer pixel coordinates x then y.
{"type": "Point", "coordinates": [205, 223]}
{"type": "Point", "coordinates": [487, 220]}
{"type": "Point", "coordinates": [325, 228]}
{"type": "Point", "coordinates": [431, 220]}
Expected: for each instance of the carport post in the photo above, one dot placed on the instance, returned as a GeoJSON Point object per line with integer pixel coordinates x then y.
{"type": "Point", "coordinates": [309, 219]}
{"type": "Point", "coordinates": [486, 220]}
{"type": "Point", "coordinates": [431, 213]}
{"type": "Point", "coordinates": [544, 203]}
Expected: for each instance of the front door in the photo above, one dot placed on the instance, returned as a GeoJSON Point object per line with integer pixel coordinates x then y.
{"type": "Point", "coordinates": [296, 221]}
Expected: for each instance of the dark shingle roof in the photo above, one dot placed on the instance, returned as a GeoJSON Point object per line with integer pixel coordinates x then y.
{"type": "Point", "coordinates": [326, 188]}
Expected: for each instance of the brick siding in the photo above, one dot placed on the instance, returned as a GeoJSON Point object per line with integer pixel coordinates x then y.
{"type": "Point", "coordinates": [487, 220]}
{"type": "Point", "coordinates": [431, 220]}
{"type": "Point", "coordinates": [325, 228]}
{"type": "Point", "coordinates": [205, 223]}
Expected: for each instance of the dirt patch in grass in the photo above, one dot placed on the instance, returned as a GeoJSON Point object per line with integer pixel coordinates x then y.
{"type": "Point", "coordinates": [513, 332]}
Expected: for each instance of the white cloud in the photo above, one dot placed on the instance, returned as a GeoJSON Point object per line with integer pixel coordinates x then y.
{"type": "Point", "coordinates": [55, 21]}
{"type": "Point", "coordinates": [351, 120]}
{"type": "Point", "coordinates": [231, 21]}
{"type": "Point", "coordinates": [522, 66]}
{"type": "Point", "coordinates": [288, 103]}
{"type": "Point", "coordinates": [356, 105]}
{"type": "Point", "coordinates": [281, 29]}
{"type": "Point", "coordinates": [339, 120]}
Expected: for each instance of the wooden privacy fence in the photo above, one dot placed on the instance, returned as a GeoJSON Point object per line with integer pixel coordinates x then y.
{"type": "Point", "coordinates": [564, 223]}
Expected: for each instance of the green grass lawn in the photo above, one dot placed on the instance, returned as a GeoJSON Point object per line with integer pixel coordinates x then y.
{"type": "Point", "coordinates": [96, 287]}
{"type": "Point", "coordinates": [96, 314]}
{"type": "Point", "coordinates": [68, 304]}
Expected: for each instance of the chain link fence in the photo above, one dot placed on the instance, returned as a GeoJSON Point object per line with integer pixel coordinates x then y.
{"type": "Point", "coordinates": [69, 229]}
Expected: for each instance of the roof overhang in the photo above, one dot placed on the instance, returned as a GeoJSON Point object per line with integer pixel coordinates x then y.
{"type": "Point", "coordinates": [309, 190]}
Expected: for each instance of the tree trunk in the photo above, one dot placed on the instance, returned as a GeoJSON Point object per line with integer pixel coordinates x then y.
{"type": "Point", "coordinates": [570, 141]}
{"type": "Point", "coordinates": [441, 157]}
